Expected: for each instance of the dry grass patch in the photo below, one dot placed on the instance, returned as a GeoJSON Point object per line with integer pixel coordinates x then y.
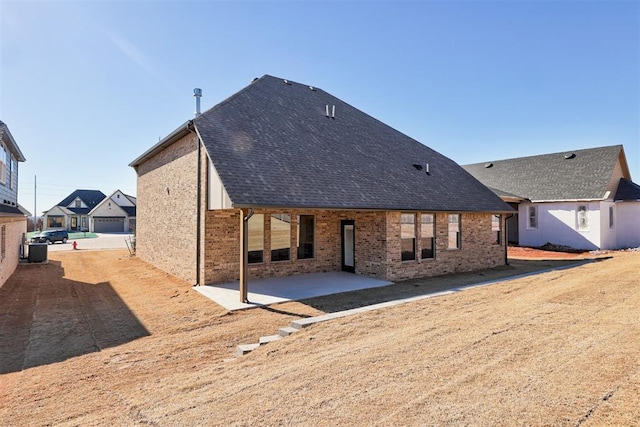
{"type": "Point", "coordinates": [559, 348]}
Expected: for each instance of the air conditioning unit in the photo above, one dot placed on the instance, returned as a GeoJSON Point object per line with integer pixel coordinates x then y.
{"type": "Point", "coordinates": [38, 252]}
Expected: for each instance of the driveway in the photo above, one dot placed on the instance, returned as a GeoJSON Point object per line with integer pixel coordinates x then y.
{"type": "Point", "coordinates": [103, 241]}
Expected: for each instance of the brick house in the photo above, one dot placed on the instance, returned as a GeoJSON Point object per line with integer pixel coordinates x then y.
{"type": "Point", "coordinates": [283, 178]}
{"type": "Point", "coordinates": [13, 222]}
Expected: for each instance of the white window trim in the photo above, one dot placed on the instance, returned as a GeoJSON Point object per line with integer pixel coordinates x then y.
{"type": "Point", "coordinates": [586, 211]}
{"type": "Point", "coordinates": [536, 211]}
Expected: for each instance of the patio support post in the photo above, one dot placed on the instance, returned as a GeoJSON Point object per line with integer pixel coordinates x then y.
{"type": "Point", "coordinates": [245, 214]}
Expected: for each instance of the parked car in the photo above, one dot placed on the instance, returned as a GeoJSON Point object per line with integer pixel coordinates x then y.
{"type": "Point", "coordinates": [51, 236]}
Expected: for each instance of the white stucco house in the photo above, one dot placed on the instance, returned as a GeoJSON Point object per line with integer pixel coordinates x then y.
{"type": "Point", "coordinates": [584, 199]}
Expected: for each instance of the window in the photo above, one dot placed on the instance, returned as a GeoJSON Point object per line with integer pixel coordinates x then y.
{"type": "Point", "coordinates": [533, 217]}
{"type": "Point", "coordinates": [13, 173]}
{"type": "Point", "coordinates": [427, 236]}
{"type": "Point", "coordinates": [496, 229]}
{"type": "Point", "coordinates": [255, 249]}
{"type": "Point", "coordinates": [3, 164]}
{"type": "Point", "coordinates": [306, 236]}
{"type": "Point", "coordinates": [454, 232]}
{"type": "Point", "coordinates": [280, 237]}
{"type": "Point", "coordinates": [3, 242]}
{"type": "Point", "coordinates": [78, 203]}
{"type": "Point", "coordinates": [55, 222]}
{"type": "Point", "coordinates": [408, 237]}
{"type": "Point", "coordinates": [611, 217]}
{"type": "Point", "coordinates": [582, 218]}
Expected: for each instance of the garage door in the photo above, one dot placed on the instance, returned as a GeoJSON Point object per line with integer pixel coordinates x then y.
{"type": "Point", "coordinates": [108, 225]}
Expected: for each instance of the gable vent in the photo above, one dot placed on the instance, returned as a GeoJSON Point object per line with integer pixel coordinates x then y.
{"type": "Point", "coordinates": [569, 156]}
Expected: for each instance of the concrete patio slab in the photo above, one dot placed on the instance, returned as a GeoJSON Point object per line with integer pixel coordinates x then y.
{"type": "Point", "coordinates": [293, 288]}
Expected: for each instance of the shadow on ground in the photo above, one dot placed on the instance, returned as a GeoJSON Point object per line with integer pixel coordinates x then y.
{"type": "Point", "coordinates": [429, 285]}
{"type": "Point", "coordinates": [46, 318]}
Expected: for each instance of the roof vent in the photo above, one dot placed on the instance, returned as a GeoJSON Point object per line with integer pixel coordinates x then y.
{"type": "Point", "coordinates": [312, 88]}
{"type": "Point", "coordinates": [418, 166]}
{"type": "Point", "coordinates": [255, 79]}
{"type": "Point", "coordinates": [488, 165]}
{"type": "Point", "coordinates": [569, 156]}
{"type": "Point", "coordinates": [333, 111]}
{"type": "Point", "coordinates": [287, 82]}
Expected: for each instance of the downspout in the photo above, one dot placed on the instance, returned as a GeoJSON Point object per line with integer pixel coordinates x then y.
{"type": "Point", "coordinates": [506, 239]}
{"type": "Point", "coordinates": [191, 128]}
{"type": "Point", "coordinates": [244, 254]}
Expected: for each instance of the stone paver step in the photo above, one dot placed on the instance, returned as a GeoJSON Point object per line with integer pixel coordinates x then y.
{"type": "Point", "coordinates": [285, 332]}
{"type": "Point", "coordinates": [270, 338]}
{"type": "Point", "coordinates": [246, 348]}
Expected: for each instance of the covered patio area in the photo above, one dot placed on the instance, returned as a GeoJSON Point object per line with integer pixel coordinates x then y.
{"type": "Point", "coordinates": [291, 288]}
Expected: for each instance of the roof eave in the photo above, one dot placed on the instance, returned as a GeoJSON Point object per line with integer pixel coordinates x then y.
{"type": "Point", "coordinates": [13, 145]}
{"type": "Point", "coordinates": [174, 136]}
{"type": "Point", "coordinates": [368, 209]}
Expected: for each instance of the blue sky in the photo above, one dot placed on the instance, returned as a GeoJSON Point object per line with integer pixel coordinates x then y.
{"type": "Point", "coordinates": [87, 86]}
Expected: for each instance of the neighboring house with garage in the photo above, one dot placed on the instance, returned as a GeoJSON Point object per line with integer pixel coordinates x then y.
{"type": "Point", "coordinates": [116, 213]}
{"type": "Point", "coordinates": [72, 213]}
{"type": "Point", "coordinates": [91, 210]}
{"type": "Point", "coordinates": [584, 199]}
{"type": "Point", "coordinates": [284, 178]}
{"type": "Point", "coordinates": [13, 222]}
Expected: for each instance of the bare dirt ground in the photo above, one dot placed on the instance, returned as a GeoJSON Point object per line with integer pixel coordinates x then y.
{"type": "Point", "coordinates": [100, 338]}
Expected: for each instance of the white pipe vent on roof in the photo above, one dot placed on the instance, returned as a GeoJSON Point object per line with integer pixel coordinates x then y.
{"type": "Point", "coordinates": [569, 156]}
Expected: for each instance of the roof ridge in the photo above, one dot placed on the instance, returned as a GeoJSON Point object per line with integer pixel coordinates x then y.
{"type": "Point", "coordinates": [581, 150]}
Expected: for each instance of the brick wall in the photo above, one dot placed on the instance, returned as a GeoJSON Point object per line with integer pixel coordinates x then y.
{"type": "Point", "coordinates": [222, 246]}
{"type": "Point", "coordinates": [167, 209]}
{"type": "Point", "coordinates": [14, 229]}
{"type": "Point", "coordinates": [476, 251]}
{"type": "Point", "coordinates": [377, 246]}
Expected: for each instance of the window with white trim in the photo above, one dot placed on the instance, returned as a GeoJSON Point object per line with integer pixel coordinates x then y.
{"type": "Point", "coordinates": [408, 237]}
{"type": "Point", "coordinates": [611, 223]}
{"type": "Point", "coordinates": [496, 229]}
{"type": "Point", "coordinates": [582, 218]}
{"type": "Point", "coordinates": [454, 240]}
{"type": "Point", "coordinates": [533, 217]}
{"type": "Point", "coordinates": [255, 232]}
{"type": "Point", "coordinates": [3, 165]}
{"type": "Point", "coordinates": [306, 236]}
{"type": "Point", "coordinates": [3, 242]}
{"type": "Point", "coordinates": [280, 237]}
{"type": "Point", "coordinates": [428, 235]}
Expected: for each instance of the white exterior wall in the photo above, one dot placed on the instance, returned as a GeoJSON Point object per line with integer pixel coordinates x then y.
{"type": "Point", "coordinates": [608, 235]}
{"type": "Point", "coordinates": [627, 224]}
{"type": "Point", "coordinates": [120, 199]}
{"type": "Point", "coordinates": [109, 208]}
{"type": "Point", "coordinates": [557, 223]}
{"type": "Point", "coordinates": [217, 196]}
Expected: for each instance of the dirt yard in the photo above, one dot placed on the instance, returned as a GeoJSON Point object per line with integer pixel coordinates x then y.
{"type": "Point", "coordinates": [100, 338]}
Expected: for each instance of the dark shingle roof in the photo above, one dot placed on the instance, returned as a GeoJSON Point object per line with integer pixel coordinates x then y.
{"type": "Point", "coordinates": [627, 191]}
{"type": "Point", "coordinates": [575, 175]}
{"type": "Point", "coordinates": [273, 145]}
{"type": "Point", "coordinates": [90, 198]}
{"type": "Point", "coordinates": [130, 210]}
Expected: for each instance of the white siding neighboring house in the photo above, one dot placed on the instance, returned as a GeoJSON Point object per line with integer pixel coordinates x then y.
{"type": "Point", "coordinates": [584, 199]}
{"type": "Point", "coordinates": [116, 213]}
